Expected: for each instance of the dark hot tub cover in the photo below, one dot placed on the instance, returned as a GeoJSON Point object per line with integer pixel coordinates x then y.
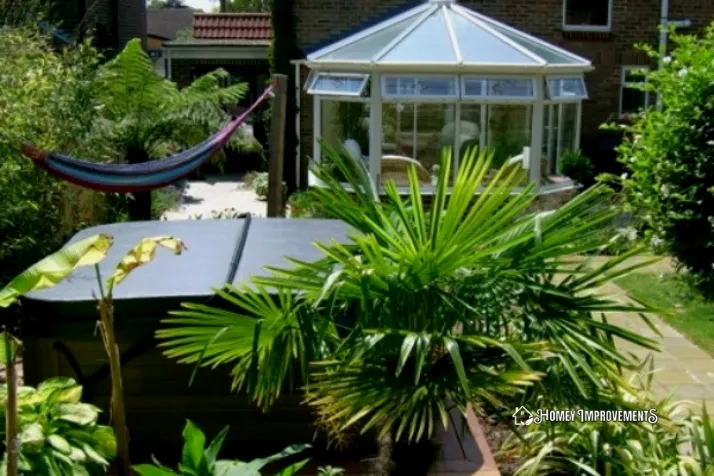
{"type": "Point", "coordinates": [219, 251]}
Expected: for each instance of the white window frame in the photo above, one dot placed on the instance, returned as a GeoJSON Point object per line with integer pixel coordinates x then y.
{"type": "Point", "coordinates": [624, 84]}
{"type": "Point", "coordinates": [597, 28]}
{"type": "Point", "coordinates": [310, 79]}
{"type": "Point", "coordinates": [424, 97]}
{"type": "Point", "coordinates": [553, 98]}
{"type": "Point", "coordinates": [496, 99]}
{"type": "Point", "coordinates": [311, 88]}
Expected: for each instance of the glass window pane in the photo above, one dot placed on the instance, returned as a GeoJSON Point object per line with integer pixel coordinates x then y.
{"type": "Point", "coordinates": [366, 48]}
{"type": "Point", "coordinates": [547, 53]}
{"type": "Point", "coordinates": [569, 125]}
{"type": "Point", "coordinates": [429, 42]}
{"type": "Point", "coordinates": [567, 88]}
{"type": "Point", "coordinates": [633, 100]}
{"type": "Point", "coordinates": [335, 83]}
{"type": "Point", "coordinates": [517, 88]}
{"type": "Point", "coordinates": [344, 126]}
{"type": "Point", "coordinates": [398, 125]}
{"type": "Point", "coordinates": [474, 88]}
{"type": "Point", "coordinates": [479, 46]}
{"type": "Point", "coordinates": [508, 131]}
{"type": "Point", "coordinates": [511, 88]}
{"type": "Point", "coordinates": [416, 133]}
{"type": "Point", "coordinates": [550, 136]}
{"type": "Point", "coordinates": [419, 87]}
{"type": "Point", "coordinates": [470, 128]}
{"type": "Point", "coordinates": [587, 13]}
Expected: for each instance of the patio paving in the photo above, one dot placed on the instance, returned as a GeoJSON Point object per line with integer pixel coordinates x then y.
{"type": "Point", "coordinates": [682, 368]}
{"type": "Point", "coordinates": [215, 194]}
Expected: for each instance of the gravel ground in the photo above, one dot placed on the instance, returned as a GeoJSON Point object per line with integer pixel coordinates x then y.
{"type": "Point", "coordinates": [214, 194]}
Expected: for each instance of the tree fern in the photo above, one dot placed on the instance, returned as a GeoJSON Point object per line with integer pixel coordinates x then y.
{"type": "Point", "coordinates": [142, 115]}
{"type": "Point", "coordinates": [141, 109]}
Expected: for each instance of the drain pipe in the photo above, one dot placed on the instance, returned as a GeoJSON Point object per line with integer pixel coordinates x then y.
{"type": "Point", "coordinates": [664, 23]}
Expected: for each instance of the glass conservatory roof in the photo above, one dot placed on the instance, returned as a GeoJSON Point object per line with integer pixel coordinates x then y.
{"type": "Point", "coordinates": [442, 33]}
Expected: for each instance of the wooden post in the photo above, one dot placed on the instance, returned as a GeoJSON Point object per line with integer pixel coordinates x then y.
{"type": "Point", "coordinates": [276, 203]}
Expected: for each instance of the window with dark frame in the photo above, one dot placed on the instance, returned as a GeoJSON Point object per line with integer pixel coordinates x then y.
{"type": "Point", "coordinates": [587, 15]}
{"type": "Point", "coordinates": [632, 97]}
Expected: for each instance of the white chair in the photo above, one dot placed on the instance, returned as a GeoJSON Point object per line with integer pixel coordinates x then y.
{"type": "Point", "coordinates": [467, 131]}
{"type": "Point", "coordinates": [352, 147]}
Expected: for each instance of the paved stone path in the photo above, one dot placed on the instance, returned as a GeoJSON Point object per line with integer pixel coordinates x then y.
{"type": "Point", "coordinates": [682, 368]}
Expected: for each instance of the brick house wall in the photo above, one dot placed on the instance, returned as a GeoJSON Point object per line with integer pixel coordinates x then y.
{"type": "Point", "coordinates": [131, 20]}
{"type": "Point", "coordinates": [114, 22]}
{"type": "Point", "coordinates": [633, 21]}
{"type": "Point", "coordinates": [153, 42]}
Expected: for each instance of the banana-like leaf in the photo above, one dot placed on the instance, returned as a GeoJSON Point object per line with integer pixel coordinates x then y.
{"type": "Point", "coordinates": [141, 254]}
{"type": "Point", "coordinates": [54, 268]}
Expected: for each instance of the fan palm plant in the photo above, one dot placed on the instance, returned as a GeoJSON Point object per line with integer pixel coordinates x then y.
{"type": "Point", "coordinates": [467, 302]}
{"type": "Point", "coordinates": [143, 115]}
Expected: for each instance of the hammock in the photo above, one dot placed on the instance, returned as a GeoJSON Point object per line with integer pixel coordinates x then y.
{"type": "Point", "coordinates": [132, 178]}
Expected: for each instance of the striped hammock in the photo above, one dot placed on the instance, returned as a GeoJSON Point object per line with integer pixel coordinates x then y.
{"type": "Point", "coordinates": [132, 178]}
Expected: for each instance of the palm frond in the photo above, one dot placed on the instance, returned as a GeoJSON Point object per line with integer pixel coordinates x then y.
{"type": "Point", "coordinates": [474, 299]}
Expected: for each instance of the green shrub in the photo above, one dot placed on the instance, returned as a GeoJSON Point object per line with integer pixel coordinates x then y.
{"type": "Point", "coordinates": [59, 434]}
{"type": "Point", "coordinates": [197, 459]}
{"type": "Point", "coordinates": [260, 184]}
{"type": "Point", "coordinates": [305, 204]}
{"type": "Point", "coordinates": [676, 442]}
{"type": "Point", "coordinates": [43, 102]}
{"type": "Point", "coordinates": [669, 155]}
{"type": "Point", "coordinates": [578, 167]}
{"type": "Point", "coordinates": [249, 178]}
{"type": "Point", "coordinates": [164, 199]}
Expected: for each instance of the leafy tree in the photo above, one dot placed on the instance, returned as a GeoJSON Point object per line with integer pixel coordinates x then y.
{"type": "Point", "coordinates": [669, 155]}
{"type": "Point", "coordinates": [184, 34]}
{"type": "Point", "coordinates": [144, 116]}
{"type": "Point", "coordinates": [471, 301]}
{"type": "Point", "coordinates": [23, 13]}
{"type": "Point", "coordinates": [247, 6]}
{"type": "Point", "coordinates": [166, 4]}
{"type": "Point", "coordinates": [44, 101]}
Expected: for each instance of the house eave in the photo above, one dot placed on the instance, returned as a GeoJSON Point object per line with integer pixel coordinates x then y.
{"type": "Point", "coordinates": [217, 51]}
{"type": "Point", "coordinates": [454, 68]}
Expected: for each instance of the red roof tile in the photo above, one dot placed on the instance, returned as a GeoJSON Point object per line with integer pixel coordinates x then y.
{"type": "Point", "coordinates": [232, 26]}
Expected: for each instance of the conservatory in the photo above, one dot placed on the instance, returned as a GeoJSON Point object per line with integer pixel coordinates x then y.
{"type": "Point", "coordinates": [441, 76]}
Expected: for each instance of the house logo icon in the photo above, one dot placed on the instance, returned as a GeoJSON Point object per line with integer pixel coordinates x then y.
{"type": "Point", "coordinates": [522, 417]}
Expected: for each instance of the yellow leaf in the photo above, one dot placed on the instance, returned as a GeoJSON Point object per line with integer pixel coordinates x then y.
{"type": "Point", "coordinates": [55, 267]}
{"type": "Point", "coordinates": [141, 254]}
